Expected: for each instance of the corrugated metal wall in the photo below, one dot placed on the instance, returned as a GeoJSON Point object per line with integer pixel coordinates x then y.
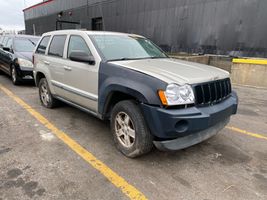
{"type": "Point", "coordinates": [236, 27]}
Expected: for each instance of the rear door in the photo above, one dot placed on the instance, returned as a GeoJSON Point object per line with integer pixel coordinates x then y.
{"type": "Point", "coordinates": [55, 62]}
{"type": "Point", "coordinates": [40, 63]}
{"type": "Point", "coordinates": [80, 78]}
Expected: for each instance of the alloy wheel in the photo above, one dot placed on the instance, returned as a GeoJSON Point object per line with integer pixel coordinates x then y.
{"type": "Point", "coordinates": [13, 75]}
{"type": "Point", "coordinates": [125, 130]}
{"type": "Point", "coordinates": [45, 96]}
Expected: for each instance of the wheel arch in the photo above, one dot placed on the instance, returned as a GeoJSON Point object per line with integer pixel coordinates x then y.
{"type": "Point", "coordinates": [38, 77]}
{"type": "Point", "coordinates": [114, 96]}
{"type": "Point", "coordinates": [116, 80]}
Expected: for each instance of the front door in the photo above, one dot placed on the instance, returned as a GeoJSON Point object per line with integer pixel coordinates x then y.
{"type": "Point", "coordinates": [7, 56]}
{"type": "Point", "coordinates": [81, 79]}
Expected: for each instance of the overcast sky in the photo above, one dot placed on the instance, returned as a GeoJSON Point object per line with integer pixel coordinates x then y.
{"type": "Point", "coordinates": [11, 15]}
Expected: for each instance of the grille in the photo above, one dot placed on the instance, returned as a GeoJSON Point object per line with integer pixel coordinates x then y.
{"type": "Point", "coordinates": [212, 92]}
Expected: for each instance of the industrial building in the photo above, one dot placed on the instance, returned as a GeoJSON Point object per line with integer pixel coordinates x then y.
{"type": "Point", "coordinates": [228, 27]}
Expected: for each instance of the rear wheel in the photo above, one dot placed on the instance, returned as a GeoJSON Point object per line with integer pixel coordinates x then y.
{"type": "Point", "coordinates": [45, 95]}
{"type": "Point", "coordinates": [130, 132]}
{"type": "Point", "coordinates": [14, 76]}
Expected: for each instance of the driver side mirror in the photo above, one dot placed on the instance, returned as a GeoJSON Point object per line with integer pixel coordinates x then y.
{"type": "Point", "coordinates": [81, 56]}
{"type": "Point", "coordinates": [6, 49]}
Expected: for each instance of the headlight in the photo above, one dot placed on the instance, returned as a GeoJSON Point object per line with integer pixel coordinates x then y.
{"type": "Point", "coordinates": [25, 63]}
{"type": "Point", "coordinates": [177, 95]}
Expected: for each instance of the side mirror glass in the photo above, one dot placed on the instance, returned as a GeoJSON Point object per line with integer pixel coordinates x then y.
{"type": "Point", "coordinates": [81, 56]}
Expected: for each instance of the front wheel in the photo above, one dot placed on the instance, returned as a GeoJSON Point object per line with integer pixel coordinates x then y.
{"type": "Point", "coordinates": [45, 95]}
{"type": "Point", "coordinates": [14, 76]}
{"type": "Point", "coordinates": [130, 132]}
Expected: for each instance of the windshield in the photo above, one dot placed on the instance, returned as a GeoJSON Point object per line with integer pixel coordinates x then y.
{"type": "Point", "coordinates": [124, 47]}
{"type": "Point", "coordinates": [25, 44]}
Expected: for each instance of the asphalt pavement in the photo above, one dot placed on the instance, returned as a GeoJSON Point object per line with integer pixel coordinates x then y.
{"type": "Point", "coordinates": [65, 153]}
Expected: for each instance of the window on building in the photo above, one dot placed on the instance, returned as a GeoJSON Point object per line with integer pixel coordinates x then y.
{"type": "Point", "coordinates": [57, 46]}
{"type": "Point", "coordinates": [97, 24]}
{"type": "Point", "coordinates": [77, 43]}
{"type": "Point", "coordinates": [43, 45]}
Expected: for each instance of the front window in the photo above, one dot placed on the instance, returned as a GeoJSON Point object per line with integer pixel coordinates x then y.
{"type": "Point", "coordinates": [25, 44]}
{"type": "Point", "coordinates": [77, 43]}
{"type": "Point", "coordinates": [124, 47]}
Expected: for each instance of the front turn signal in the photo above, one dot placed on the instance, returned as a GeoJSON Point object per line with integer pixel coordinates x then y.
{"type": "Point", "coordinates": [162, 97]}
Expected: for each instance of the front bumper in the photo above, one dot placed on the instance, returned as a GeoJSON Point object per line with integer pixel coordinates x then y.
{"type": "Point", "coordinates": [169, 124]}
{"type": "Point", "coordinates": [25, 72]}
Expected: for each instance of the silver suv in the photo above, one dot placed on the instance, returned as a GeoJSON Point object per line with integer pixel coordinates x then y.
{"type": "Point", "coordinates": [149, 98]}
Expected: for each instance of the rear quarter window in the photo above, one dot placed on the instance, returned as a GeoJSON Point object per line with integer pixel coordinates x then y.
{"type": "Point", "coordinates": [57, 46]}
{"type": "Point", "coordinates": [5, 41]}
{"type": "Point", "coordinates": [43, 45]}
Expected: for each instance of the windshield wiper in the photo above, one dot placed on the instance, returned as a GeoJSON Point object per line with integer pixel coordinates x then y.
{"type": "Point", "coordinates": [157, 57]}
{"type": "Point", "coordinates": [32, 42]}
{"type": "Point", "coordinates": [124, 58]}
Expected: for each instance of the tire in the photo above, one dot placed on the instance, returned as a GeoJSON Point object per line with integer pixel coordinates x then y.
{"type": "Point", "coordinates": [16, 80]}
{"type": "Point", "coordinates": [45, 95]}
{"type": "Point", "coordinates": [127, 117]}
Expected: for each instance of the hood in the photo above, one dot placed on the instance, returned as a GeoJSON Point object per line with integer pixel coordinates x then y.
{"type": "Point", "coordinates": [175, 71]}
{"type": "Point", "coordinates": [24, 55]}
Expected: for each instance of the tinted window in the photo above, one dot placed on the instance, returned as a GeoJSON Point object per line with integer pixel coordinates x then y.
{"type": "Point", "coordinates": [9, 43]}
{"type": "Point", "coordinates": [43, 45]}
{"type": "Point", "coordinates": [57, 46]}
{"type": "Point", "coordinates": [25, 44]}
{"type": "Point", "coordinates": [1, 39]}
{"type": "Point", "coordinates": [5, 41]}
{"type": "Point", "coordinates": [77, 43]}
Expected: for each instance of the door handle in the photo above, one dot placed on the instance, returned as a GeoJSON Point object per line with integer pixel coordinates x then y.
{"type": "Point", "coordinates": [46, 62]}
{"type": "Point", "coordinates": [67, 68]}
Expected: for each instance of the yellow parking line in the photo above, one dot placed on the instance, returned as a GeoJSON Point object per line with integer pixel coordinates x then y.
{"type": "Point", "coordinates": [256, 135]}
{"type": "Point", "coordinates": [112, 176]}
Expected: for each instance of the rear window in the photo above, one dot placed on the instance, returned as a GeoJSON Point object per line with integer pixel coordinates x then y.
{"type": "Point", "coordinates": [43, 45]}
{"type": "Point", "coordinates": [57, 46]}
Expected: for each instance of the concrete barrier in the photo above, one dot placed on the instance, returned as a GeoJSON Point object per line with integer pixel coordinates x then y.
{"type": "Point", "coordinates": [222, 62]}
{"type": "Point", "coordinates": [250, 72]}
{"type": "Point", "coordinates": [198, 59]}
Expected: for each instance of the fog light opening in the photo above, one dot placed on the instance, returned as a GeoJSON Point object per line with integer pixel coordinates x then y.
{"type": "Point", "coordinates": [181, 126]}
